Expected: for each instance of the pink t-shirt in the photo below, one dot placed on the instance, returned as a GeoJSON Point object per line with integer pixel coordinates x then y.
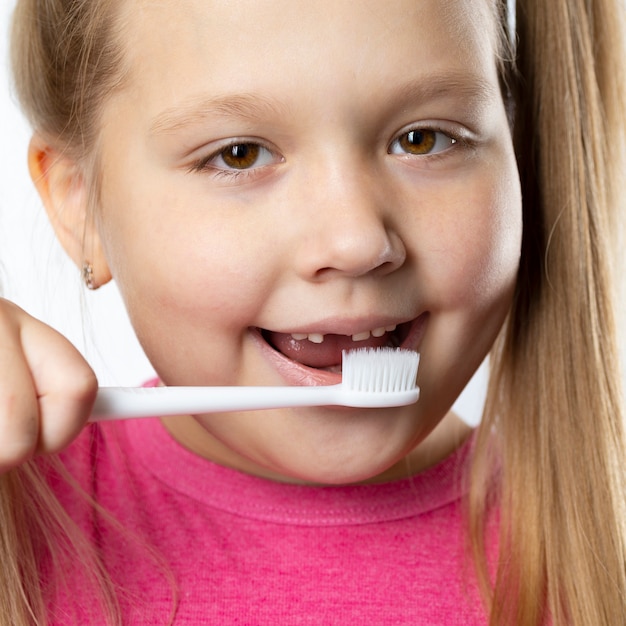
{"type": "Point", "coordinates": [244, 550]}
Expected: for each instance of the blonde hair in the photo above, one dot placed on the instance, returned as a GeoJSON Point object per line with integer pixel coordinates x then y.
{"type": "Point", "coordinates": [34, 527]}
{"type": "Point", "coordinates": [67, 58]}
{"type": "Point", "coordinates": [553, 418]}
{"type": "Point", "coordinates": [553, 422]}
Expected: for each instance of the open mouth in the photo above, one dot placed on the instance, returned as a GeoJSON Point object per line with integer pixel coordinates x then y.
{"type": "Point", "coordinates": [323, 351]}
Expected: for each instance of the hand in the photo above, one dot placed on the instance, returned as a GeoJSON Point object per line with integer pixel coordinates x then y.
{"type": "Point", "coordinates": [47, 388]}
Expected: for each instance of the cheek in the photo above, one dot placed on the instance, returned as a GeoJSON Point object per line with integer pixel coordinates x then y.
{"type": "Point", "coordinates": [188, 296]}
{"type": "Point", "coordinates": [474, 262]}
{"type": "Point", "coordinates": [182, 261]}
{"type": "Point", "coordinates": [470, 279]}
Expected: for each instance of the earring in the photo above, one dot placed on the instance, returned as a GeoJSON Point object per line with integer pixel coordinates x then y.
{"type": "Point", "coordinates": [88, 278]}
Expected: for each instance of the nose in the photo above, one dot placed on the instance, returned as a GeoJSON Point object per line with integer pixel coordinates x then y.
{"type": "Point", "coordinates": [350, 228]}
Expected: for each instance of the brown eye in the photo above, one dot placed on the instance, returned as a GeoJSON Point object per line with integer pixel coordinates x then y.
{"type": "Point", "coordinates": [421, 142]}
{"type": "Point", "coordinates": [418, 141]}
{"type": "Point", "coordinates": [241, 156]}
{"type": "Point", "coordinates": [238, 158]}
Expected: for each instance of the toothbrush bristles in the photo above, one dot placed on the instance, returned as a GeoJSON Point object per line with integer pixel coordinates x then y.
{"type": "Point", "coordinates": [379, 369]}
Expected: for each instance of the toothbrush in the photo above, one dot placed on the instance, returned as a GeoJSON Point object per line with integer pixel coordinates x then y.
{"type": "Point", "coordinates": [371, 378]}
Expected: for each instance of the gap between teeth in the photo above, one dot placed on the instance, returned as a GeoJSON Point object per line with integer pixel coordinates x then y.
{"type": "Point", "coordinates": [364, 336]}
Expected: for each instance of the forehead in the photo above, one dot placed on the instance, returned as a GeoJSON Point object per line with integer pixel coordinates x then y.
{"type": "Point", "coordinates": [177, 47]}
{"type": "Point", "coordinates": [158, 25]}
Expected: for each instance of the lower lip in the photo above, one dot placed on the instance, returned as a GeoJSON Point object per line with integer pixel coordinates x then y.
{"type": "Point", "coordinates": [294, 373]}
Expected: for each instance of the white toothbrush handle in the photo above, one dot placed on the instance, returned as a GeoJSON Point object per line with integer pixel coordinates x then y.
{"type": "Point", "coordinates": [129, 402]}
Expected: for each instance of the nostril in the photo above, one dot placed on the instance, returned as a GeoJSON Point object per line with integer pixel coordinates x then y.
{"type": "Point", "coordinates": [375, 268]}
{"type": "Point", "coordinates": [386, 268]}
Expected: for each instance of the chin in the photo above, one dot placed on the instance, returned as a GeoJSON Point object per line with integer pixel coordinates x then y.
{"type": "Point", "coordinates": [347, 460]}
{"type": "Point", "coordinates": [329, 475]}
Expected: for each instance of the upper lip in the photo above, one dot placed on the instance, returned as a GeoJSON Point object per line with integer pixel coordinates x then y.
{"type": "Point", "coordinates": [343, 326]}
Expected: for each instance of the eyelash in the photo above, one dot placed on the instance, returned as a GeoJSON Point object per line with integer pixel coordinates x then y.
{"type": "Point", "coordinates": [233, 173]}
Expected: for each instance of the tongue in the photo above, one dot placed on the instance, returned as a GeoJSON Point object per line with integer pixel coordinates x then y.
{"type": "Point", "coordinates": [322, 355]}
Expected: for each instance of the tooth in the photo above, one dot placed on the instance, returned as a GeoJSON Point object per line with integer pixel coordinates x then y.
{"type": "Point", "coordinates": [315, 338]}
{"type": "Point", "coordinates": [299, 336]}
{"type": "Point", "coordinates": [361, 336]}
{"type": "Point", "coordinates": [391, 328]}
{"type": "Point", "coordinates": [379, 332]}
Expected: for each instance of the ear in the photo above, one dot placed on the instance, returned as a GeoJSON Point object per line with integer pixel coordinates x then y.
{"type": "Point", "coordinates": [64, 192]}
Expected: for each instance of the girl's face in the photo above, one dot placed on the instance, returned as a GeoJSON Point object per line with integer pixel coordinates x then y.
{"type": "Point", "coordinates": [281, 180]}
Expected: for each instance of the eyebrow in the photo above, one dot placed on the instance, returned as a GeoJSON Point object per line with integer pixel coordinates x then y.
{"type": "Point", "coordinates": [470, 88]}
{"type": "Point", "coordinates": [196, 110]}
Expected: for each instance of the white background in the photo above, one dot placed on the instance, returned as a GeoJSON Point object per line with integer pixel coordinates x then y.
{"type": "Point", "coordinates": [35, 273]}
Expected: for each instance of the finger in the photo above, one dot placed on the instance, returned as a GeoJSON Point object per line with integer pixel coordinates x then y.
{"type": "Point", "coordinates": [64, 383]}
{"type": "Point", "coordinates": [19, 412]}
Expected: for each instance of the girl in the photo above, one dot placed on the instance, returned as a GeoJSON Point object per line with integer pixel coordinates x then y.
{"type": "Point", "coordinates": [269, 183]}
